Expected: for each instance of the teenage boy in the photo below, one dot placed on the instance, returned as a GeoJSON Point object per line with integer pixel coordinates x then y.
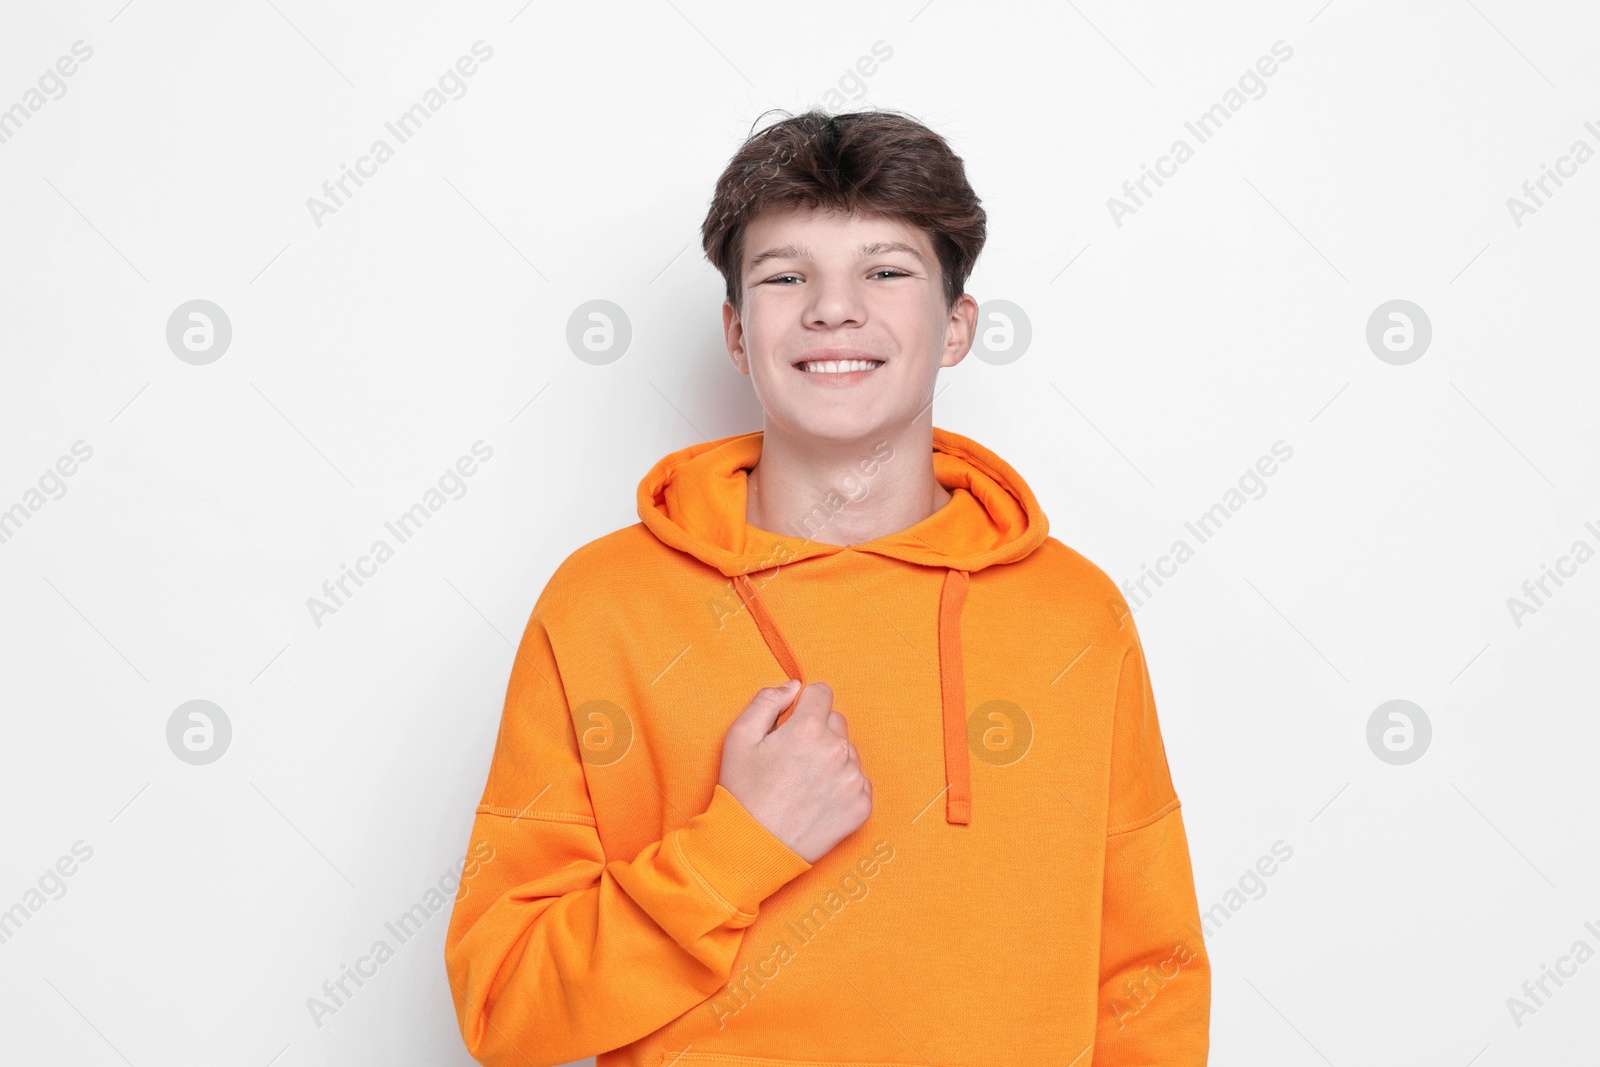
{"type": "Point", "coordinates": [952, 838]}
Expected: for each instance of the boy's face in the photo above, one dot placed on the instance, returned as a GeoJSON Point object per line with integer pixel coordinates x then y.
{"type": "Point", "coordinates": [826, 286]}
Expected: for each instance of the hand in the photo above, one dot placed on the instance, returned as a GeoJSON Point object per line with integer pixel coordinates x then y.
{"type": "Point", "coordinates": [802, 780]}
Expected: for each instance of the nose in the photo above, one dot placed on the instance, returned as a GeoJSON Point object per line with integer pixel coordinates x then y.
{"type": "Point", "coordinates": [835, 302]}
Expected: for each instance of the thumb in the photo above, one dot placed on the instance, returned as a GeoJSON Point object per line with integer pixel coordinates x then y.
{"type": "Point", "coordinates": [764, 709]}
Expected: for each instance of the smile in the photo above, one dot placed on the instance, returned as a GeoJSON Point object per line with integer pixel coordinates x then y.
{"type": "Point", "coordinates": [840, 366]}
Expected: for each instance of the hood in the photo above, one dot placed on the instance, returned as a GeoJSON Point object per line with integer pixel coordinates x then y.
{"type": "Point", "coordinates": [694, 500]}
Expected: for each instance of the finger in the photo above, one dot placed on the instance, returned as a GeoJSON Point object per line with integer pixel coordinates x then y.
{"type": "Point", "coordinates": [816, 701]}
{"type": "Point", "coordinates": [764, 709]}
{"type": "Point", "coordinates": [837, 724]}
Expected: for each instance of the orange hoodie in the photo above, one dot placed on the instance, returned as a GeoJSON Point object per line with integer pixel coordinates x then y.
{"type": "Point", "coordinates": [1020, 895]}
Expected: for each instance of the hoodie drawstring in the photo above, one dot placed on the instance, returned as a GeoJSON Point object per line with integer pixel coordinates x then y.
{"type": "Point", "coordinates": [773, 637]}
{"type": "Point", "coordinates": [952, 682]}
{"type": "Point", "coordinates": [953, 696]}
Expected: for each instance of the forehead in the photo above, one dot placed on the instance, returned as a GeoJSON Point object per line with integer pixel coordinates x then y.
{"type": "Point", "coordinates": [812, 233]}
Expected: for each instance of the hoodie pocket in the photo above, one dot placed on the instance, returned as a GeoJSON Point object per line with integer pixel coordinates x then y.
{"type": "Point", "coordinates": [723, 1059]}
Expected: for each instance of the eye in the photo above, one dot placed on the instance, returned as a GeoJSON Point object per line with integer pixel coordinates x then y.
{"type": "Point", "coordinates": [891, 271]}
{"type": "Point", "coordinates": [783, 277]}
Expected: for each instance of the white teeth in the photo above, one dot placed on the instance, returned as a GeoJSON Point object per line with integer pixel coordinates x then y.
{"type": "Point", "coordinates": [836, 366]}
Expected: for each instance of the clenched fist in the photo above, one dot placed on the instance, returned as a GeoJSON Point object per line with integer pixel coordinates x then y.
{"type": "Point", "coordinates": [802, 780]}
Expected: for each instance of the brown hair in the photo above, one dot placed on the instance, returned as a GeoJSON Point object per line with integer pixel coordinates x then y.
{"type": "Point", "coordinates": [878, 163]}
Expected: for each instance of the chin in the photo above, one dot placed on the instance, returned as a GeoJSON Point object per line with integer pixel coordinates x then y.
{"type": "Point", "coordinates": [839, 424]}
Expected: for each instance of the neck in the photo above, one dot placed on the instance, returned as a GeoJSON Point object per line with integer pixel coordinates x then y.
{"type": "Point", "coordinates": [844, 492]}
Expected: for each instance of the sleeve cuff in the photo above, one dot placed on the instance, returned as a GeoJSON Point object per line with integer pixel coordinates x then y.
{"type": "Point", "coordinates": [741, 860]}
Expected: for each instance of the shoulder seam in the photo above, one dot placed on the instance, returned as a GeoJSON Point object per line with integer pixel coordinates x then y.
{"type": "Point", "coordinates": [1138, 824]}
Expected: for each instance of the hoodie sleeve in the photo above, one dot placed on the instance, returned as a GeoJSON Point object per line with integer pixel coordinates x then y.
{"type": "Point", "coordinates": [556, 951]}
{"type": "Point", "coordinates": [1155, 974]}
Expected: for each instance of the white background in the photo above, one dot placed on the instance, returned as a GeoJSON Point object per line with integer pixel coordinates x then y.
{"type": "Point", "coordinates": [430, 311]}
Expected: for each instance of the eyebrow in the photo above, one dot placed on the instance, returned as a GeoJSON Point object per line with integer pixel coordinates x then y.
{"type": "Point", "coordinates": [876, 248]}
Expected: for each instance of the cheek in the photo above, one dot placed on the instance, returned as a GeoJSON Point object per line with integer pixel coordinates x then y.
{"type": "Point", "coordinates": [759, 327]}
{"type": "Point", "coordinates": [911, 318]}
{"type": "Point", "coordinates": [762, 352]}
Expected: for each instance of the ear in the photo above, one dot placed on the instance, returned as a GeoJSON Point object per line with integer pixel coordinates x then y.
{"type": "Point", "coordinates": [959, 331]}
{"type": "Point", "coordinates": [733, 337]}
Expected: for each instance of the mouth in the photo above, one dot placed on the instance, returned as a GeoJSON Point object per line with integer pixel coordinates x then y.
{"type": "Point", "coordinates": [837, 372]}
{"type": "Point", "coordinates": [839, 366]}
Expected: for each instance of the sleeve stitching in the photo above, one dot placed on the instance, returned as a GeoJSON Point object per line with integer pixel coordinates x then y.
{"type": "Point", "coordinates": [543, 816]}
{"type": "Point", "coordinates": [677, 846]}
